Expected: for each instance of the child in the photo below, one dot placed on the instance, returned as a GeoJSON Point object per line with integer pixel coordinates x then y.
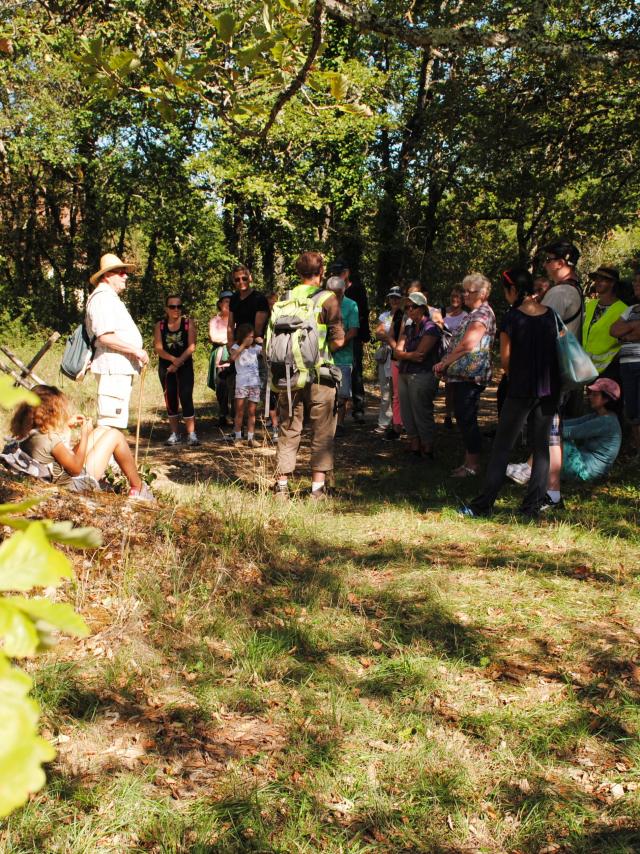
{"type": "Point", "coordinates": [45, 434]}
{"type": "Point", "coordinates": [244, 354]}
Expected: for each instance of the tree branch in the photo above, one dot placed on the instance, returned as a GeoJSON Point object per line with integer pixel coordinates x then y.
{"type": "Point", "coordinates": [597, 51]}
{"type": "Point", "coordinates": [298, 81]}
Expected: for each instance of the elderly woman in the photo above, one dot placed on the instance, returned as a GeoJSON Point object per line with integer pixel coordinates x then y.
{"type": "Point", "coordinates": [599, 316]}
{"type": "Point", "coordinates": [467, 366]}
{"type": "Point", "coordinates": [417, 353]}
{"type": "Point", "coordinates": [387, 333]}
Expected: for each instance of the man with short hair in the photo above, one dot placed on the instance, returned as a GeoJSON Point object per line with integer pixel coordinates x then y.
{"type": "Point", "coordinates": [319, 394]}
{"type": "Point", "coordinates": [119, 353]}
{"type": "Point", "coordinates": [344, 356]}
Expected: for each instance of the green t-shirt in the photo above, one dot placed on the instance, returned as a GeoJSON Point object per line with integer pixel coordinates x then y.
{"type": "Point", "coordinates": [350, 320]}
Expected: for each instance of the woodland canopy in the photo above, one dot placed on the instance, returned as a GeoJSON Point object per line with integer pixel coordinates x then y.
{"type": "Point", "coordinates": [413, 138]}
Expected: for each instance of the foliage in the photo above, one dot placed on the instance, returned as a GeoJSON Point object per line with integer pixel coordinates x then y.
{"type": "Point", "coordinates": [27, 626]}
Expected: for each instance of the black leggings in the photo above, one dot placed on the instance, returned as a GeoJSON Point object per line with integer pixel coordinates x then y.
{"type": "Point", "coordinates": [178, 389]}
{"type": "Point", "coordinates": [513, 417]}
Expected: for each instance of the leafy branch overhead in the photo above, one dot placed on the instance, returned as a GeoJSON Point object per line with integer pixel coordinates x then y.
{"type": "Point", "coordinates": [248, 61]}
{"type": "Point", "coordinates": [28, 626]}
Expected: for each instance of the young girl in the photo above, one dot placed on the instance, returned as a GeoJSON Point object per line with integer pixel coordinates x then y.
{"type": "Point", "coordinates": [244, 354]}
{"type": "Point", "coordinates": [46, 433]}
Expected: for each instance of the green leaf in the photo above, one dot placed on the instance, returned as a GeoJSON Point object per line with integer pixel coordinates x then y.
{"type": "Point", "coordinates": [18, 633]}
{"type": "Point", "coordinates": [225, 24]}
{"type": "Point", "coordinates": [59, 615]}
{"type": "Point", "coordinates": [357, 110]}
{"type": "Point", "coordinates": [11, 395]}
{"type": "Point", "coordinates": [80, 538]}
{"type": "Point", "coordinates": [27, 560]}
{"type": "Point", "coordinates": [20, 507]}
{"type": "Point", "coordinates": [339, 85]}
{"type": "Point", "coordinates": [267, 17]}
{"type": "Point", "coordinates": [22, 751]}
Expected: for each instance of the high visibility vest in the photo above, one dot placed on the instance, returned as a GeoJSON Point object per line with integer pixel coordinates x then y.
{"type": "Point", "coordinates": [596, 339]}
{"type": "Point", "coordinates": [319, 298]}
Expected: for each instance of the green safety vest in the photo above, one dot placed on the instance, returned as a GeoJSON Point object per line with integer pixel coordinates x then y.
{"type": "Point", "coordinates": [596, 339]}
{"type": "Point", "coordinates": [307, 292]}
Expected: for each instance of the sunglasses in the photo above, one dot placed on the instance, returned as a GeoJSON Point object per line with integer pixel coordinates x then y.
{"type": "Point", "coordinates": [176, 307]}
{"type": "Point", "coordinates": [549, 258]}
{"type": "Point", "coordinates": [241, 279]}
{"type": "Point", "coordinates": [412, 306]}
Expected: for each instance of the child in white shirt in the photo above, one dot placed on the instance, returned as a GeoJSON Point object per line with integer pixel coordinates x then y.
{"type": "Point", "coordinates": [244, 354]}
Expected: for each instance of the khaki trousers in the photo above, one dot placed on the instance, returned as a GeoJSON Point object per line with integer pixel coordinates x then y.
{"type": "Point", "coordinates": [320, 403]}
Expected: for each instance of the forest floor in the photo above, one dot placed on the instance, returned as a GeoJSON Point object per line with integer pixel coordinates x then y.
{"type": "Point", "coordinates": [370, 674]}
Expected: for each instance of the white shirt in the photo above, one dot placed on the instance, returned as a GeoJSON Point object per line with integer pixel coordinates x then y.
{"type": "Point", "coordinates": [107, 313]}
{"type": "Point", "coordinates": [247, 371]}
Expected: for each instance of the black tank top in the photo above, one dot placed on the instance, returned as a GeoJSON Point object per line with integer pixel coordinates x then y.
{"type": "Point", "coordinates": [174, 342]}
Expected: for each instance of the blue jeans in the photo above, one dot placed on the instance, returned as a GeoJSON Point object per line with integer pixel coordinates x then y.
{"type": "Point", "coordinates": [466, 399]}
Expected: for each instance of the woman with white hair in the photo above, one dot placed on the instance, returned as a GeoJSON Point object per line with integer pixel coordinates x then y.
{"type": "Point", "coordinates": [467, 366]}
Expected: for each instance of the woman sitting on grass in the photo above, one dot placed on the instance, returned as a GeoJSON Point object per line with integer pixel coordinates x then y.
{"type": "Point", "coordinates": [45, 434]}
{"type": "Point", "coordinates": [591, 444]}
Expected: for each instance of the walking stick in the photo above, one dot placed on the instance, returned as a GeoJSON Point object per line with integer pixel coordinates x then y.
{"type": "Point", "coordinates": [142, 374]}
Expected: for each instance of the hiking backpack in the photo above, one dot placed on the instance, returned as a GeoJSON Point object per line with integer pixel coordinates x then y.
{"type": "Point", "coordinates": [77, 355]}
{"type": "Point", "coordinates": [78, 352]}
{"type": "Point", "coordinates": [19, 462]}
{"type": "Point", "coordinates": [292, 344]}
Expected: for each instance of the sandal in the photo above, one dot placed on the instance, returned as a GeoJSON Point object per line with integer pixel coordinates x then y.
{"type": "Point", "coordinates": [464, 471]}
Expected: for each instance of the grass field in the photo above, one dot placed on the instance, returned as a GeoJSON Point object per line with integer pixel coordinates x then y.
{"type": "Point", "coordinates": [373, 674]}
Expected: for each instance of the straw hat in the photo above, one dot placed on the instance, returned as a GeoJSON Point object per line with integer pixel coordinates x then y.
{"type": "Point", "coordinates": [109, 262]}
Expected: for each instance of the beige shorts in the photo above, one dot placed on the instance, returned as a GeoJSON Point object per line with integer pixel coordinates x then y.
{"type": "Point", "coordinates": [114, 392]}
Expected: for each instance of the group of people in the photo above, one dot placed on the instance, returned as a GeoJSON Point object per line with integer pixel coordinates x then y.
{"type": "Point", "coordinates": [418, 347]}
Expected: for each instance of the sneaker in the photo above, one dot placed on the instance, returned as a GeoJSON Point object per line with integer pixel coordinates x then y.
{"type": "Point", "coordinates": [519, 473]}
{"type": "Point", "coordinates": [380, 430]}
{"type": "Point", "coordinates": [193, 440]}
{"type": "Point", "coordinates": [174, 439]}
{"type": "Point", "coordinates": [549, 504]}
{"type": "Point", "coordinates": [142, 494]}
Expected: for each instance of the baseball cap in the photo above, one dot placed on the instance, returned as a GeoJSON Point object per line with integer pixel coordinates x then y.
{"type": "Point", "coordinates": [395, 291]}
{"type": "Point", "coordinates": [606, 386]}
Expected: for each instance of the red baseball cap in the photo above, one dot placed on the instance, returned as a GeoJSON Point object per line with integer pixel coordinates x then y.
{"type": "Point", "coordinates": [606, 386]}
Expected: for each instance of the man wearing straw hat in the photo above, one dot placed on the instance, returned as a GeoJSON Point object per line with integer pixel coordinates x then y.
{"type": "Point", "coordinates": [119, 353]}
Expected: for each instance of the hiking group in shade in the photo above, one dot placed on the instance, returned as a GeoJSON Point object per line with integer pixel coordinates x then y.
{"type": "Point", "coordinates": [299, 358]}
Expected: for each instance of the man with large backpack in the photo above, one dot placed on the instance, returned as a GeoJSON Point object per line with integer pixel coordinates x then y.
{"type": "Point", "coordinates": [305, 328]}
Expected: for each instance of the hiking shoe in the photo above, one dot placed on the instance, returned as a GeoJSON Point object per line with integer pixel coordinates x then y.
{"type": "Point", "coordinates": [281, 491]}
{"type": "Point", "coordinates": [519, 473]}
{"type": "Point", "coordinates": [193, 440]}
{"type": "Point", "coordinates": [142, 494]}
{"type": "Point", "coordinates": [174, 439]}
{"type": "Point", "coordinates": [319, 494]}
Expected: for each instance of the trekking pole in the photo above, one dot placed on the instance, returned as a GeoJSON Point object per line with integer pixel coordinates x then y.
{"type": "Point", "coordinates": [142, 374]}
